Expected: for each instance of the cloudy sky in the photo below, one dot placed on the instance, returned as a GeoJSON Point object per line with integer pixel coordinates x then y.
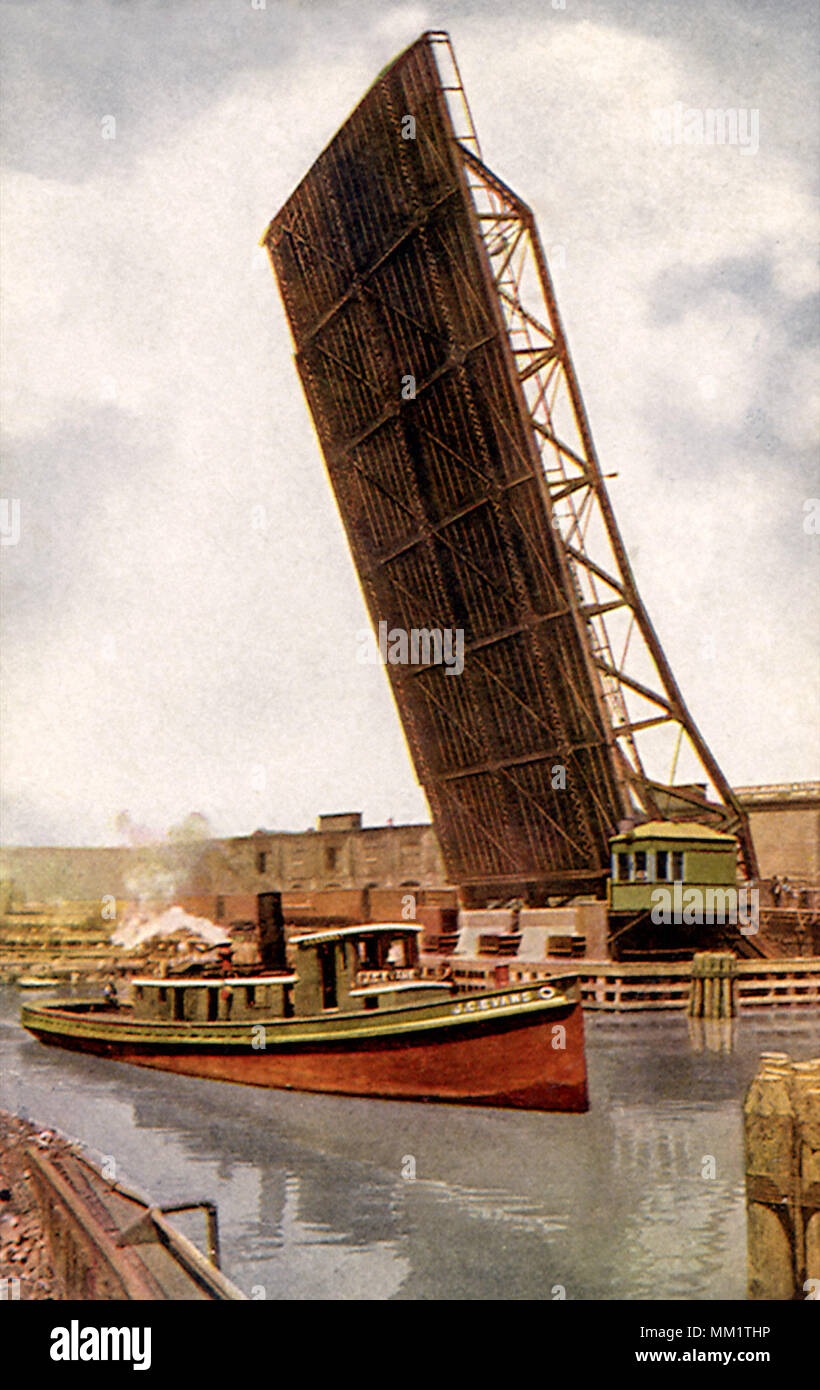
{"type": "Point", "coordinates": [180, 609]}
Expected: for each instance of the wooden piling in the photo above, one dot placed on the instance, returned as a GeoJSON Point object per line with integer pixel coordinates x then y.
{"type": "Point", "coordinates": [782, 1143]}
{"type": "Point", "coordinates": [713, 985]}
{"type": "Point", "coordinates": [807, 1112]}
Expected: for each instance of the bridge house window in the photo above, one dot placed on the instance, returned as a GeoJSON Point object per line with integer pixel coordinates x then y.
{"type": "Point", "coordinates": [662, 871]}
{"type": "Point", "coordinates": [677, 865]}
{"type": "Point", "coordinates": [624, 868]}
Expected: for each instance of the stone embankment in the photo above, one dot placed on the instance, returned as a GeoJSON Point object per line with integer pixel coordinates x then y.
{"type": "Point", "coordinates": [25, 1264]}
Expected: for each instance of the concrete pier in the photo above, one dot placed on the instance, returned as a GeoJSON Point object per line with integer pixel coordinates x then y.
{"type": "Point", "coordinates": [782, 1143]}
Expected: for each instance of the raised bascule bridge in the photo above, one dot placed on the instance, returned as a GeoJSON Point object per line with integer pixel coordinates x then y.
{"type": "Point", "coordinates": [438, 375]}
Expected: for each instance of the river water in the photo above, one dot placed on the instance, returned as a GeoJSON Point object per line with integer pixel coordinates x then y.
{"type": "Point", "coordinates": [322, 1197]}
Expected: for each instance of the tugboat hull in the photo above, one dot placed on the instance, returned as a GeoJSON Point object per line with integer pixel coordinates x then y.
{"type": "Point", "coordinates": [519, 1048]}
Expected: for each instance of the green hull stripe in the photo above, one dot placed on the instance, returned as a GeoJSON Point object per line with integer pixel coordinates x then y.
{"type": "Point", "coordinates": [449, 1017]}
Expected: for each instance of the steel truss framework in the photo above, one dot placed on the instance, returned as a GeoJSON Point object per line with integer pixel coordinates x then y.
{"type": "Point", "coordinates": [602, 579]}
{"type": "Point", "coordinates": [481, 503]}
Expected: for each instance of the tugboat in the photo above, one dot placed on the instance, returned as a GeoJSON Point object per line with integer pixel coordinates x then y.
{"type": "Point", "coordinates": [354, 1017]}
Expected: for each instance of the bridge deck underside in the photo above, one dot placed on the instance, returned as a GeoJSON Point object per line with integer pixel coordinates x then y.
{"type": "Point", "coordinates": [384, 277]}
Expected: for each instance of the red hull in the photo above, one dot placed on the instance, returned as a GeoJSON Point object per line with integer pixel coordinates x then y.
{"type": "Point", "coordinates": [521, 1066]}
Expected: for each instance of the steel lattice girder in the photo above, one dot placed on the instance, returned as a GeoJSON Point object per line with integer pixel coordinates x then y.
{"type": "Point", "coordinates": [384, 257]}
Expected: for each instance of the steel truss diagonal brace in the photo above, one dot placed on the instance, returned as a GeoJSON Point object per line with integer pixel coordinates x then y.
{"type": "Point", "coordinates": [602, 583]}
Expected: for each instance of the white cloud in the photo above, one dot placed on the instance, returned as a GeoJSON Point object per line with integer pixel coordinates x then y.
{"type": "Point", "coordinates": [402, 23]}
{"type": "Point", "coordinates": [143, 287]}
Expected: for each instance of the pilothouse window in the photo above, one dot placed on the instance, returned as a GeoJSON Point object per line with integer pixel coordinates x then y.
{"type": "Point", "coordinates": [370, 947]}
{"type": "Point", "coordinates": [397, 954]}
{"type": "Point", "coordinates": [327, 967]}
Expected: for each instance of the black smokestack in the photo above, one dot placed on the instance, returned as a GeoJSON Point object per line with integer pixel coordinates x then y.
{"type": "Point", "coordinates": [271, 931]}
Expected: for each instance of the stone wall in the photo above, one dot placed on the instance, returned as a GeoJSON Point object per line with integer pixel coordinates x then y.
{"type": "Point", "coordinates": [379, 857]}
{"type": "Point", "coordinates": [787, 840]}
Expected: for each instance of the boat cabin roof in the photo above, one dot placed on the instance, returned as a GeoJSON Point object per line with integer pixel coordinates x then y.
{"type": "Point", "coordinates": [319, 938]}
{"type": "Point", "coordinates": [202, 982]}
{"type": "Point", "coordinates": [673, 830]}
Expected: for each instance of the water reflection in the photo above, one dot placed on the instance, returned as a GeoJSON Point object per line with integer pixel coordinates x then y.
{"type": "Point", "coordinates": [712, 1034]}
{"type": "Point", "coordinates": [313, 1195]}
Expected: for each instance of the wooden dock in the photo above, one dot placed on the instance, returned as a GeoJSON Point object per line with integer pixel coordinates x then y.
{"type": "Point", "coordinates": [616, 986]}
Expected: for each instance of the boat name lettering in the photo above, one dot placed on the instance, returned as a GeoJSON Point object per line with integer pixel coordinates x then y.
{"type": "Point", "coordinates": [497, 1001]}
